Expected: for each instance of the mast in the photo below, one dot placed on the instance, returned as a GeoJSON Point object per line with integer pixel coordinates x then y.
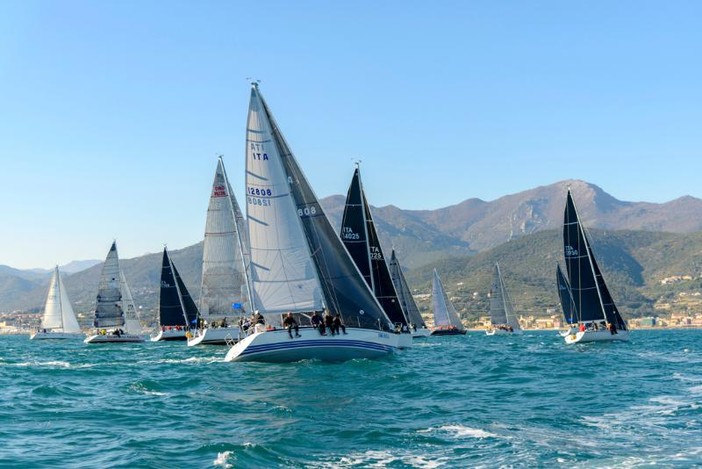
{"type": "Point", "coordinates": [60, 299]}
{"type": "Point", "coordinates": [364, 211]}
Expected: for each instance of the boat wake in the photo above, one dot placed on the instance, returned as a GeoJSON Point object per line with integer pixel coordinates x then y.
{"type": "Point", "coordinates": [460, 431]}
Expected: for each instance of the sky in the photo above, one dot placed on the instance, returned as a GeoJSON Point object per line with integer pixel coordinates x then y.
{"type": "Point", "coordinates": [112, 113]}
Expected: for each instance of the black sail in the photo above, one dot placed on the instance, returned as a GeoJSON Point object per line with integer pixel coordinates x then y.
{"type": "Point", "coordinates": [345, 291]}
{"type": "Point", "coordinates": [409, 306]}
{"type": "Point", "coordinates": [169, 309]}
{"type": "Point", "coordinates": [591, 297]}
{"type": "Point", "coordinates": [361, 239]}
{"type": "Point", "coordinates": [564, 293]}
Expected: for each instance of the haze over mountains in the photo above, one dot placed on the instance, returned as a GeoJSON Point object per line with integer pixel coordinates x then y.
{"type": "Point", "coordinates": [447, 236]}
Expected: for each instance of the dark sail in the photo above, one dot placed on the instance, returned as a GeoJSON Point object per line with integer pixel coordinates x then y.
{"type": "Point", "coordinates": [409, 306]}
{"type": "Point", "coordinates": [566, 297]}
{"type": "Point", "coordinates": [345, 291]}
{"type": "Point", "coordinates": [361, 239]}
{"type": "Point", "coordinates": [176, 306]}
{"type": "Point", "coordinates": [591, 297]}
{"type": "Point", "coordinates": [170, 310]}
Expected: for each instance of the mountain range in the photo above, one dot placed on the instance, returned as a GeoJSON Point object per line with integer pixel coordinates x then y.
{"type": "Point", "coordinates": [636, 242]}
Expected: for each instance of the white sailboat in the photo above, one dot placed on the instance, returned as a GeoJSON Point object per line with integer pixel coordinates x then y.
{"type": "Point", "coordinates": [298, 263]}
{"type": "Point", "coordinates": [224, 294]}
{"type": "Point", "coordinates": [115, 314]}
{"type": "Point", "coordinates": [502, 317]}
{"type": "Point", "coordinates": [59, 320]}
{"type": "Point", "coordinates": [598, 317]}
{"type": "Point", "coordinates": [446, 320]}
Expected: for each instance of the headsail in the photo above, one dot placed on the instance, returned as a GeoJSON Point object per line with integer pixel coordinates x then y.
{"type": "Point", "coordinates": [176, 306]}
{"type": "Point", "coordinates": [445, 314]}
{"type": "Point", "coordinates": [271, 165]}
{"type": "Point", "coordinates": [58, 312]}
{"type": "Point", "coordinates": [224, 279]}
{"type": "Point", "coordinates": [566, 297]}
{"type": "Point", "coordinates": [409, 306]}
{"type": "Point", "coordinates": [361, 239]}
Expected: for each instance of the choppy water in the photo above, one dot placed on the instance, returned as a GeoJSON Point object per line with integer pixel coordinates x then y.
{"type": "Point", "coordinates": [472, 401]}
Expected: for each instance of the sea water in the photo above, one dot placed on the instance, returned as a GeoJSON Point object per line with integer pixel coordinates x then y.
{"type": "Point", "coordinates": [463, 401]}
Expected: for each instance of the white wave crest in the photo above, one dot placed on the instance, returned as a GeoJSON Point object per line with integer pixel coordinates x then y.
{"type": "Point", "coordinates": [222, 459]}
{"type": "Point", "coordinates": [461, 431]}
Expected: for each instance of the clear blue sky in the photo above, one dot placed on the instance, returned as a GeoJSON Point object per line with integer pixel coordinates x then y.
{"type": "Point", "coordinates": [112, 112]}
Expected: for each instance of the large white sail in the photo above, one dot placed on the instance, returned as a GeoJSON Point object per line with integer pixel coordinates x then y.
{"type": "Point", "coordinates": [223, 270]}
{"type": "Point", "coordinates": [131, 318]}
{"type": "Point", "coordinates": [58, 312]}
{"type": "Point", "coordinates": [108, 307]}
{"type": "Point", "coordinates": [283, 276]}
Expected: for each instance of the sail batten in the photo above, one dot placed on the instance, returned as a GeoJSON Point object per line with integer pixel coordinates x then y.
{"type": "Point", "coordinates": [114, 306]}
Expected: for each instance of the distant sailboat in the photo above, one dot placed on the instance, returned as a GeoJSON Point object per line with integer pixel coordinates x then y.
{"type": "Point", "coordinates": [115, 314]}
{"type": "Point", "coordinates": [361, 239]}
{"type": "Point", "coordinates": [409, 306]}
{"type": "Point", "coordinates": [224, 295]}
{"type": "Point", "coordinates": [298, 263]}
{"type": "Point", "coordinates": [176, 309]}
{"type": "Point", "coordinates": [59, 320]}
{"type": "Point", "coordinates": [446, 320]}
{"type": "Point", "coordinates": [567, 303]}
{"type": "Point", "coordinates": [502, 314]}
{"type": "Point", "coordinates": [598, 316]}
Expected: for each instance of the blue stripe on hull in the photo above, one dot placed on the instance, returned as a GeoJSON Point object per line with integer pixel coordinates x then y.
{"type": "Point", "coordinates": [296, 349]}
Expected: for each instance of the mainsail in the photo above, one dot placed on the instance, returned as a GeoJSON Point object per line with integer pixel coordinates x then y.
{"type": "Point", "coordinates": [224, 278]}
{"type": "Point", "coordinates": [298, 263]}
{"type": "Point", "coordinates": [501, 309]}
{"type": "Point", "coordinates": [445, 314]}
{"type": "Point", "coordinates": [566, 297]}
{"type": "Point", "coordinates": [58, 312]}
{"type": "Point", "coordinates": [176, 306]}
{"type": "Point", "coordinates": [114, 304]}
{"type": "Point", "coordinates": [591, 297]}
{"type": "Point", "coordinates": [361, 239]}
{"type": "Point", "coordinates": [409, 306]}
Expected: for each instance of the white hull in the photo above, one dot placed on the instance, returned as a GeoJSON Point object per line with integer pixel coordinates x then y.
{"type": "Point", "coordinates": [404, 340]}
{"type": "Point", "coordinates": [172, 334]}
{"type": "Point", "coordinates": [421, 333]}
{"type": "Point", "coordinates": [503, 332]}
{"type": "Point", "coordinates": [217, 336]}
{"type": "Point", "coordinates": [111, 338]}
{"type": "Point", "coordinates": [569, 331]}
{"type": "Point", "coordinates": [56, 335]}
{"type": "Point", "coordinates": [277, 347]}
{"type": "Point", "coordinates": [595, 336]}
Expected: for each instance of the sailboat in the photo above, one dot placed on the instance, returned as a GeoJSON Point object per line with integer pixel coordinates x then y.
{"type": "Point", "coordinates": [298, 263]}
{"type": "Point", "coordinates": [59, 320]}
{"type": "Point", "coordinates": [567, 303]}
{"type": "Point", "coordinates": [598, 316]}
{"type": "Point", "coordinates": [417, 325]}
{"type": "Point", "coordinates": [446, 320]}
{"type": "Point", "coordinates": [361, 239]}
{"type": "Point", "coordinates": [176, 309]}
{"type": "Point", "coordinates": [114, 306]}
{"type": "Point", "coordinates": [502, 315]}
{"type": "Point", "coordinates": [224, 295]}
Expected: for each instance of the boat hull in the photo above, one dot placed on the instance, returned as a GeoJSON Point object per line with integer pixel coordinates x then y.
{"type": "Point", "coordinates": [217, 336]}
{"type": "Point", "coordinates": [421, 333]}
{"type": "Point", "coordinates": [277, 347]}
{"type": "Point", "coordinates": [170, 335]}
{"type": "Point", "coordinates": [56, 335]}
{"type": "Point", "coordinates": [111, 338]}
{"type": "Point", "coordinates": [404, 340]}
{"type": "Point", "coordinates": [448, 332]}
{"type": "Point", "coordinates": [503, 332]}
{"type": "Point", "coordinates": [581, 337]}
